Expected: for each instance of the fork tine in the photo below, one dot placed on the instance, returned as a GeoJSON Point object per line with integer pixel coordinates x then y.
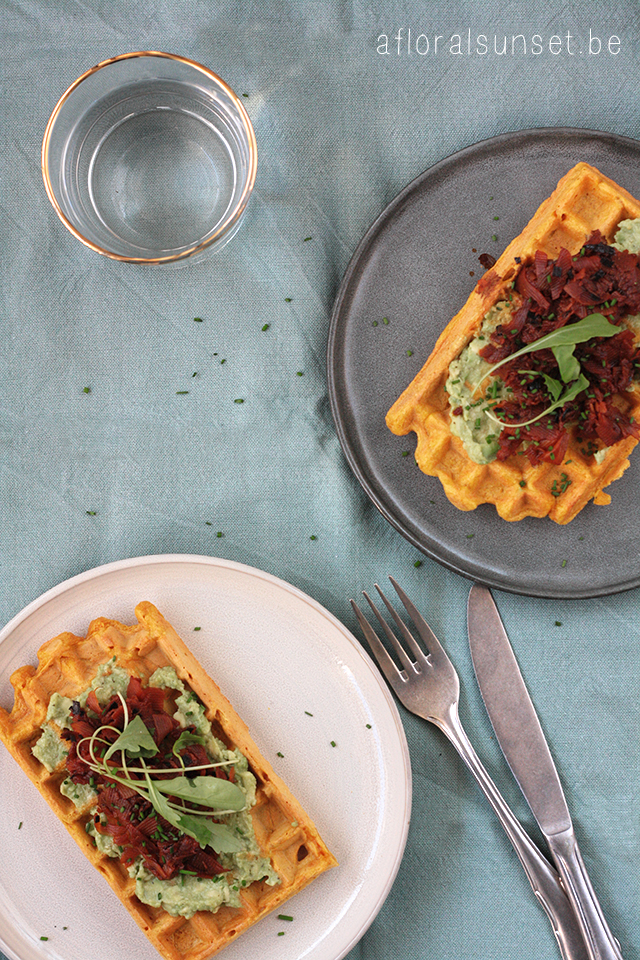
{"type": "Point", "coordinates": [390, 635]}
{"type": "Point", "coordinates": [410, 640]}
{"type": "Point", "coordinates": [378, 649]}
{"type": "Point", "coordinates": [432, 643]}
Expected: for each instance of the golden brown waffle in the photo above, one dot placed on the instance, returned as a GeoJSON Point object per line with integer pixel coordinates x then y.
{"type": "Point", "coordinates": [285, 833]}
{"type": "Point", "coordinates": [583, 201]}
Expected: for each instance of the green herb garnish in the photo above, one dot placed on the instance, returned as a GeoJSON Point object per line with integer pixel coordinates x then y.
{"type": "Point", "coordinates": [168, 796]}
{"type": "Point", "coordinates": [186, 739]}
{"type": "Point", "coordinates": [565, 396]}
{"type": "Point", "coordinates": [135, 740]}
{"type": "Point", "coordinates": [560, 486]}
{"type": "Point", "coordinates": [561, 342]}
{"type": "Point", "coordinates": [595, 325]}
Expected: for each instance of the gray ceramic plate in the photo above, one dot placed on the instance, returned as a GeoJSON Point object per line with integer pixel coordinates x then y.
{"type": "Point", "coordinates": [411, 273]}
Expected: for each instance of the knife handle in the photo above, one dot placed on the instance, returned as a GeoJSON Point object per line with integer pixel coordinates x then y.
{"type": "Point", "coordinates": [543, 878]}
{"type": "Point", "coordinates": [600, 942]}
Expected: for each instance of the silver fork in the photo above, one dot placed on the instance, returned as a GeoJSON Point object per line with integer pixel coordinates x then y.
{"type": "Point", "coordinates": [428, 686]}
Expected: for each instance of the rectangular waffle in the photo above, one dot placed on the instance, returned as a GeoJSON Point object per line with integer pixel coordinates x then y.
{"type": "Point", "coordinates": [285, 833]}
{"type": "Point", "coordinates": [583, 201]}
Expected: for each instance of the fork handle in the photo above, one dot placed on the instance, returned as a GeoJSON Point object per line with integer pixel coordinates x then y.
{"type": "Point", "coordinates": [541, 875]}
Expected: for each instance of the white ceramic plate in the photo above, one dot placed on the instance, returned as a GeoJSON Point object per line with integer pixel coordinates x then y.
{"type": "Point", "coordinates": [279, 656]}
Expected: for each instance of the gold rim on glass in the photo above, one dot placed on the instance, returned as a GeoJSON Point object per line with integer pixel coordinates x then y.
{"type": "Point", "coordinates": [224, 227]}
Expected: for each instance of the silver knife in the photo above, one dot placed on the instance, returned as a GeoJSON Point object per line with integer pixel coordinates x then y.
{"type": "Point", "coordinates": [523, 743]}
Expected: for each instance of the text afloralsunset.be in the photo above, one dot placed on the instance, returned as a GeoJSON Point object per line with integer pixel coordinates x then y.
{"type": "Point", "coordinates": [407, 41]}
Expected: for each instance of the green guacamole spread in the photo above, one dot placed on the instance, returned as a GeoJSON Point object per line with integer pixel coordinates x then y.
{"type": "Point", "coordinates": [187, 894]}
{"type": "Point", "coordinates": [469, 412]}
{"type": "Point", "coordinates": [628, 236]}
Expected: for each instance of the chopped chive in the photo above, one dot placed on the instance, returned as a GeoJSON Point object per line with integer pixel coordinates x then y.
{"type": "Point", "coordinates": [265, 327]}
{"type": "Point", "coordinates": [197, 319]}
{"type": "Point", "coordinates": [283, 916]}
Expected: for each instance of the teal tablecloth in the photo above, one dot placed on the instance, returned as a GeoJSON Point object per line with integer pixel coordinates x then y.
{"type": "Point", "coordinates": [101, 457]}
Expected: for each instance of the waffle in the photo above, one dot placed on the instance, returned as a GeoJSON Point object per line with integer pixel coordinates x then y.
{"type": "Point", "coordinates": [583, 201]}
{"type": "Point", "coordinates": [284, 832]}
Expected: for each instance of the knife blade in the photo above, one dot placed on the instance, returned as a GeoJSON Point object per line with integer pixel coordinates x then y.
{"type": "Point", "coordinates": [524, 745]}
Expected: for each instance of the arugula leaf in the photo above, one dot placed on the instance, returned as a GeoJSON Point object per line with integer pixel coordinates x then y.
{"type": "Point", "coordinates": [206, 791]}
{"type": "Point", "coordinates": [135, 740]}
{"type": "Point", "coordinates": [553, 386]}
{"type": "Point", "coordinates": [217, 835]}
{"type": "Point", "coordinates": [570, 393]}
{"type": "Point", "coordinates": [595, 325]}
{"type": "Point", "coordinates": [568, 363]}
{"type": "Point", "coordinates": [161, 804]}
{"type": "Point", "coordinates": [205, 831]}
